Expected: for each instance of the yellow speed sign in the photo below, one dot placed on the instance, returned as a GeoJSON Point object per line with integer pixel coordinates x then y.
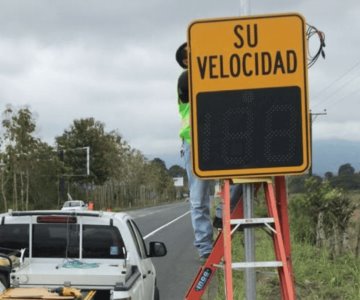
{"type": "Point", "coordinates": [248, 90]}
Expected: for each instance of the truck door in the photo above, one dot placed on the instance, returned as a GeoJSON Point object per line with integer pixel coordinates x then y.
{"type": "Point", "coordinates": [146, 266]}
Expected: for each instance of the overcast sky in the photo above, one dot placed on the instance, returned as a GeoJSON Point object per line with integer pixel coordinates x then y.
{"type": "Point", "coordinates": [114, 60]}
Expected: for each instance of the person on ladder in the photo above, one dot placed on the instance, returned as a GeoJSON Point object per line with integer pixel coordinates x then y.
{"type": "Point", "coordinates": [199, 188]}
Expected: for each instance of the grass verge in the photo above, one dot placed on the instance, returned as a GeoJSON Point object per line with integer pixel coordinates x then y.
{"type": "Point", "coordinates": [316, 275]}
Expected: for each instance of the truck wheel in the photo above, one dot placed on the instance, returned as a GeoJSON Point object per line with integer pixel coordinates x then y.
{"type": "Point", "coordinates": [156, 293]}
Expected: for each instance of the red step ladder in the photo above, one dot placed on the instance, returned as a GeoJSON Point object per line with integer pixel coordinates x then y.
{"type": "Point", "coordinates": [276, 201]}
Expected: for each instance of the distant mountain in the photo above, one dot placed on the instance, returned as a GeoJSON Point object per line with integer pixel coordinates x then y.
{"type": "Point", "coordinates": [328, 155]}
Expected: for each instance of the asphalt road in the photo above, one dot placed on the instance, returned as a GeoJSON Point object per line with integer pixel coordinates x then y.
{"type": "Point", "coordinates": [171, 224]}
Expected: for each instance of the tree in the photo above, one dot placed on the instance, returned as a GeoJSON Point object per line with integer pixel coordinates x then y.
{"type": "Point", "coordinates": [328, 175]}
{"type": "Point", "coordinates": [160, 162]}
{"type": "Point", "coordinates": [322, 215]}
{"type": "Point", "coordinates": [177, 171]}
{"type": "Point", "coordinates": [161, 180]}
{"type": "Point", "coordinates": [20, 145]}
{"type": "Point", "coordinates": [104, 151]}
{"type": "Point", "coordinates": [26, 163]}
{"type": "Point", "coordinates": [346, 179]}
{"type": "Point", "coordinates": [346, 169]}
{"type": "Point", "coordinates": [44, 179]}
{"type": "Point", "coordinates": [296, 184]}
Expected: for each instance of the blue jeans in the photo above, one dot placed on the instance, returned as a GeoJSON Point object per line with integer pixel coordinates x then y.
{"type": "Point", "coordinates": [235, 194]}
{"type": "Point", "coordinates": [200, 205]}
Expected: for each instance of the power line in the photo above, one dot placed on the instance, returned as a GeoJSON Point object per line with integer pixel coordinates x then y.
{"type": "Point", "coordinates": [329, 87]}
{"type": "Point", "coordinates": [337, 91]}
{"type": "Point", "coordinates": [337, 100]}
{"type": "Point", "coordinates": [338, 79]}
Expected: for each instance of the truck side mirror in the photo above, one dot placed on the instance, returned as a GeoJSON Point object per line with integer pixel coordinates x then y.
{"type": "Point", "coordinates": [157, 249]}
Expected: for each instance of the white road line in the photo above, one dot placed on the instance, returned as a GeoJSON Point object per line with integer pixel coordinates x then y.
{"type": "Point", "coordinates": [144, 213]}
{"type": "Point", "coordinates": [167, 224]}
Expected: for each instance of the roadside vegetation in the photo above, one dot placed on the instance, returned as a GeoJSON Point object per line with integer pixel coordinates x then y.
{"type": "Point", "coordinates": [324, 212]}
{"type": "Point", "coordinates": [324, 218]}
{"type": "Point", "coordinates": [36, 175]}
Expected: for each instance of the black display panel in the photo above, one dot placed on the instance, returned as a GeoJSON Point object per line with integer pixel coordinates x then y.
{"type": "Point", "coordinates": [249, 129]}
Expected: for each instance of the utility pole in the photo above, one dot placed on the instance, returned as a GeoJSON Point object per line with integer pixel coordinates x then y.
{"type": "Point", "coordinates": [244, 7]}
{"type": "Point", "coordinates": [87, 160]}
{"type": "Point", "coordinates": [313, 117]}
{"type": "Point", "coordinates": [248, 205]}
{"type": "Point", "coordinates": [61, 179]}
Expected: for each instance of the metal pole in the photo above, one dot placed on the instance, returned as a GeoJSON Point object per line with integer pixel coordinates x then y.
{"type": "Point", "coordinates": [313, 117]}
{"type": "Point", "coordinates": [87, 160]}
{"type": "Point", "coordinates": [249, 240]}
{"type": "Point", "coordinates": [249, 233]}
{"type": "Point", "coordinates": [244, 7]}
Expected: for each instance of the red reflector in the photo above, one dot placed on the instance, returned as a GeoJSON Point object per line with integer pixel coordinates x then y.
{"type": "Point", "coordinates": [56, 219]}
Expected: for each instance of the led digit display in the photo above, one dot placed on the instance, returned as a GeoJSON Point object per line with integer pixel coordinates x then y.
{"type": "Point", "coordinates": [249, 129]}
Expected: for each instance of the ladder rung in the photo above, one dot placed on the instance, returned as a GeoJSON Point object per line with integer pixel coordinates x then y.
{"type": "Point", "coordinates": [253, 264]}
{"type": "Point", "coordinates": [257, 264]}
{"type": "Point", "coordinates": [252, 221]}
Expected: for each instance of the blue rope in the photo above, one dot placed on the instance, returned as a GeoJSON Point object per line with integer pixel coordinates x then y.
{"type": "Point", "coordinates": [76, 264]}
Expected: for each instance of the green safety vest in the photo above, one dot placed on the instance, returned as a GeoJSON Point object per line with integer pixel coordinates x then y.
{"type": "Point", "coordinates": [184, 111]}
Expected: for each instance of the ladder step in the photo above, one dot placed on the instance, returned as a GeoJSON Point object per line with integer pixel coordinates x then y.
{"type": "Point", "coordinates": [257, 264]}
{"type": "Point", "coordinates": [253, 221]}
{"type": "Point", "coordinates": [252, 264]}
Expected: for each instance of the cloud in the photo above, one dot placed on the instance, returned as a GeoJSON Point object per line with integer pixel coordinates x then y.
{"type": "Point", "coordinates": [337, 130]}
{"type": "Point", "coordinates": [114, 60]}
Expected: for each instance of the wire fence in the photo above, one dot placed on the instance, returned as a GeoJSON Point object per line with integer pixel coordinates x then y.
{"type": "Point", "coordinates": [117, 196]}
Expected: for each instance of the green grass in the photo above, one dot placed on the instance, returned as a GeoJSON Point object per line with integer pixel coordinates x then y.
{"type": "Point", "coordinates": [316, 275]}
{"type": "Point", "coordinates": [267, 277]}
{"type": "Point", "coordinates": [319, 277]}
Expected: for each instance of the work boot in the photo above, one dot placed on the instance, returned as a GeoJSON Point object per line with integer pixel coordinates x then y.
{"type": "Point", "coordinates": [217, 223]}
{"type": "Point", "coordinates": [204, 257]}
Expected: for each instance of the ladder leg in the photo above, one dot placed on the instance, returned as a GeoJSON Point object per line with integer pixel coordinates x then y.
{"type": "Point", "coordinates": [227, 242]}
{"type": "Point", "coordinates": [286, 281]}
{"type": "Point", "coordinates": [207, 271]}
{"type": "Point", "coordinates": [222, 246]}
{"type": "Point", "coordinates": [282, 205]}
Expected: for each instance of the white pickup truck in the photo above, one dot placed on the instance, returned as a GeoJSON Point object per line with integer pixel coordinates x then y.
{"type": "Point", "coordinates": [87, 250]}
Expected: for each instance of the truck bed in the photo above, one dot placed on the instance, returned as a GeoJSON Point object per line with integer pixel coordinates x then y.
{"type": "Point", "coordinates": [98, 274]}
